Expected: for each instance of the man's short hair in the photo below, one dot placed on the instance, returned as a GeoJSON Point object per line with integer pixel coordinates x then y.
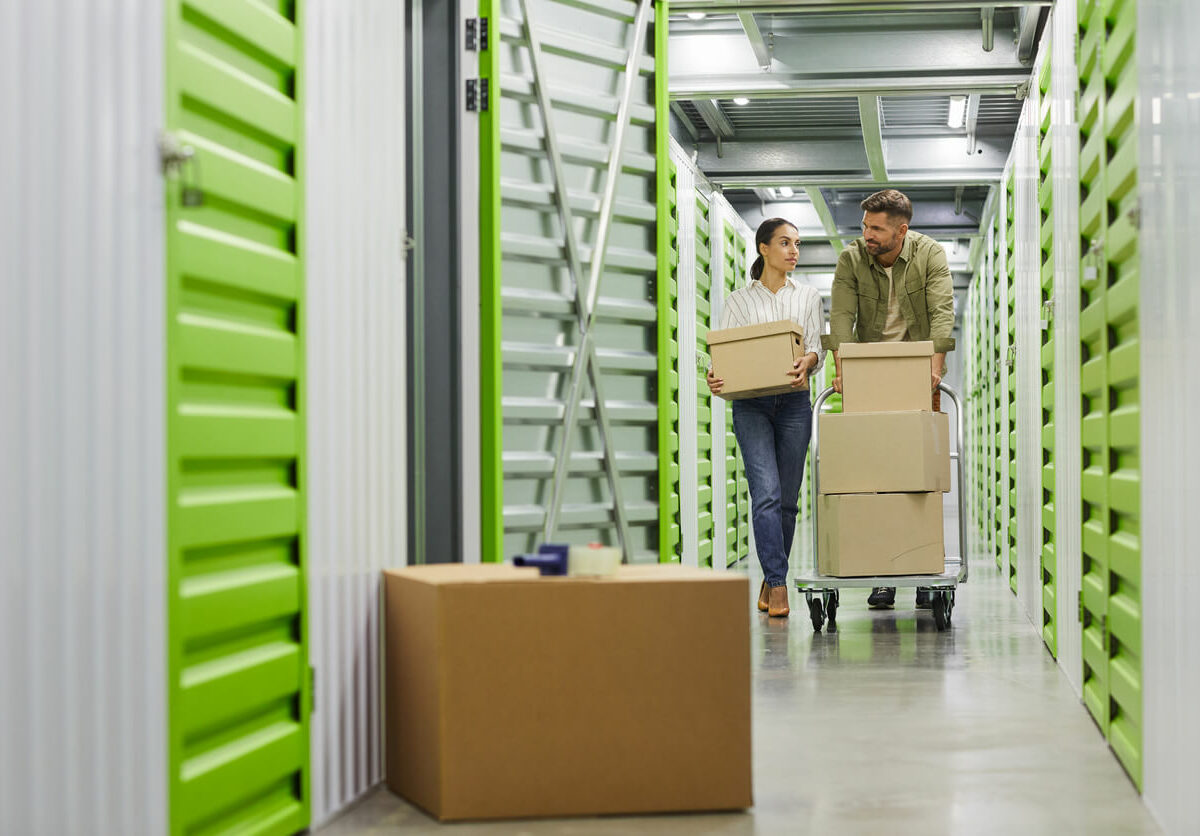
{"type": "Point", "coordinates": [895, 204]}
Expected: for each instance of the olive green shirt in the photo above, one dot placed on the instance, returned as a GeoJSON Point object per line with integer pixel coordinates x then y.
{"type": "Point", "coordinates": [923, 285]}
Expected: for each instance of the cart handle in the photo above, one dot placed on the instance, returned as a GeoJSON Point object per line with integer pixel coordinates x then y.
{"type": "Point", "coordinates": [963, 570]}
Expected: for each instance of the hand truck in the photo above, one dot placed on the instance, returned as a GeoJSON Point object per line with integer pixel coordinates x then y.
{"type": "Point", "coordinates": [821, 592]}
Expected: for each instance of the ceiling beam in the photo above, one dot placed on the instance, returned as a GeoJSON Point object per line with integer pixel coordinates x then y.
{"type": "Point", "coordinates": [831, 230]}
{"type": "Point", "coordinates": [972, 121]}
{"type": "Point", "coordinates": [759, 44]}
{"type": "Point", "coordinates": [797, 85]}
{"type": "Point", "coordinates": [677, 109]}
{"type": "Point", "coordinates": [774, 163]}
{"type": "Point", "coordinates": [828, 6]}
{"type": "Point", "coordinates": [872, 132]}
{"type": "Point", "coordinates": [718, 123]}
{"type": "Point", "coordinates": [1026, 33]}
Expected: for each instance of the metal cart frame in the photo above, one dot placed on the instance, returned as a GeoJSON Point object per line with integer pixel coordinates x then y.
{"type": "Point", "coordinates": [821, 592]}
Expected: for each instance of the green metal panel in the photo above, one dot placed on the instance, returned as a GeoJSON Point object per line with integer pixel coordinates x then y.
{"type": "Point", "coordinates": [666, 220]}
{"type": "Point", "coordinates": [238, 692]}
{"type": "Point", "coordinates": [1048, 558]}
{"type": "Point", "coordinates": [491, 362]}
{"type": "Point", "coordinates": [996, 321]}
{"type": "Point", "coordinates": [705, 470]}
{"type": "Point", "coordinates": [1008, 419]}
{"type": "Point", "coordinates": [734, 510]}
{"type": "Point", "coordinates": [543, 431]}
{"type": "Point", "coordinates": [1111, 597]}
{"type": "Point", "coordinates": [671, 533]}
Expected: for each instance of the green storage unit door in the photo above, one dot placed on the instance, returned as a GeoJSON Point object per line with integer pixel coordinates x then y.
{"type": "Point", "coordinates": [670, 531]}
{"type": "Point", "coordinates": [704, 400]}
{"type": "Point", "coordinates": [238, 658]}
{"type": "Point", "coordinates": [1046, 346]}
{"type": "Point", "coordinates": [570, 274]}
{"type": "Point", "coordinates": [997, 320]}
{"type": "Point", "coordinates": [736, 509]}
{"type": "Point", "coordinates": [1108, 329]}
{"type": "Point", "coordinates": [1009, 417]}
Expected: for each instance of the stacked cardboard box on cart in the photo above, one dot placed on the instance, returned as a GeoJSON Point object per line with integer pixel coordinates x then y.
{"type": "Point", "coordinates": [885, 463]}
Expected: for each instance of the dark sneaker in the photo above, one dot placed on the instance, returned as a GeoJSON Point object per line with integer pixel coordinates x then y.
{"type": "Point", "coordinates": [882, 597]}
{"type": "Point", "coordinates": [924, 599]}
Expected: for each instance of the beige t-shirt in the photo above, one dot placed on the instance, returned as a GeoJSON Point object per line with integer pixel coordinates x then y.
{"type": "Point", "coordinates": [895, 329]}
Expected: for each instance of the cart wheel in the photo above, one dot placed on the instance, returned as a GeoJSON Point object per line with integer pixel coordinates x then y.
{"type": "Point", "coordinates": [831, 608]}
{"type": "Point", "coordinates": [941, 610]}
{"type": "Point", "coordinates": [949, 606]}
{"type": "Point", "coordinates": [817, 611]}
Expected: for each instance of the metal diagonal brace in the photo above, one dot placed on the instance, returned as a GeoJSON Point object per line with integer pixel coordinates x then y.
{"type": "Point", "coordinates": [604, 226]}
{"type": "Point", "coordinates": [587, 349]}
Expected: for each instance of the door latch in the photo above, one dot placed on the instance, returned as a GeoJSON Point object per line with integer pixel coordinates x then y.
{"type": "Point", "coordinates": [178, 160]}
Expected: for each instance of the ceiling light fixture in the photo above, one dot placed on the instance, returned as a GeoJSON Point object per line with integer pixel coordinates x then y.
{"type": "Point", "coordinates": [696, 15]}
{"type": "Point", "coordinates": [741, 100]}
{"type": "Point", "coordinates": [958, 112]}
{"type": "Point", "coordinates": [786, 191]}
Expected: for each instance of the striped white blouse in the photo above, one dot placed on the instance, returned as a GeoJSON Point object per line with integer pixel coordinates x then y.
{"type": "Point", "coordinates": [801, 303]}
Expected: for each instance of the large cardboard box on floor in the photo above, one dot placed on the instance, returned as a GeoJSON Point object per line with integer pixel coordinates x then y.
{"type": "Point", "coordinates": [860, 535]}
{"type": "Point", "coordinates": [887, 377]}
{"type": "Point", "coordinates": [510, 695]}
{"type": "Point", "coordinates": [754, 360]}
{"type": "Point", "coordinates": [884, 452]}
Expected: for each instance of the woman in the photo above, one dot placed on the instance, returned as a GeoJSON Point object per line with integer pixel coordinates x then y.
{"type": "Point", "coordinates": [773, 431]}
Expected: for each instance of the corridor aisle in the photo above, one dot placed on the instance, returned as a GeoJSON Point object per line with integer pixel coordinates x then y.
{"type": "Point", "coordinates": [889, 727]}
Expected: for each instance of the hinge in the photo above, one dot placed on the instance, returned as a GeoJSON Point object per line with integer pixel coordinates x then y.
{"type": "Point", "coordinates": [312, 690]}
{"type": "Point", "coordinates": [1079, 601]}
{"type": "Point", "coordinates": [477, 95]}
{"type": "Point", "coordinates": [477, 34]}
{"type": "Point", "coordinates": [1023, 90]}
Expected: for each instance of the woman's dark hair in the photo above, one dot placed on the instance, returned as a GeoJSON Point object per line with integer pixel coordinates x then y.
{"type": "Point", "coordinates": [766, 231]}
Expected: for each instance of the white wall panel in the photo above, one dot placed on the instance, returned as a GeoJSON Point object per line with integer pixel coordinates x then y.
{"type": "Point", "coordinates": [1168, 118]}
{"type": "Point", "coordinates": [1028, 361]}
{"type": "Point", "coordinates": [1064, 137]}
{"type": "Point", "coordinates": [82, 428]}
{"type": "Point", "coordinates": [356, 336]}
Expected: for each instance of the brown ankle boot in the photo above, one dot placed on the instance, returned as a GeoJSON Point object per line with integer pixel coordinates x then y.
{"type": "Point", "coordinates": [762, 597]}
{"type": "Point", "coordinates": [778, 604]}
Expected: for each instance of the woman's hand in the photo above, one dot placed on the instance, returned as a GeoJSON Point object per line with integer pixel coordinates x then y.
{"type": "Point", "coordinates": [715, 384]}
{"type": "Point", "coordinates": [800, 373]}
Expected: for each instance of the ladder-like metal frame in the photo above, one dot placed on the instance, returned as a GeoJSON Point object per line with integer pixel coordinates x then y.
{"type": "Point", "coordinates": [586, 295]}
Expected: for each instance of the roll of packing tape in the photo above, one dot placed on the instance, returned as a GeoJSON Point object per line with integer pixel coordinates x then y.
{"type": "Point", "coordinates": [593, 560]}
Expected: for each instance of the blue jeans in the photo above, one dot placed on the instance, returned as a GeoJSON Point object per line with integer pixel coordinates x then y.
{"type": "Point", "coordinates": [773, 433]}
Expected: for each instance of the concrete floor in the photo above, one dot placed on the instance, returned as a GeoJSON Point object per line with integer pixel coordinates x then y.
{"type": "Point", "coordinates": [888, 726]}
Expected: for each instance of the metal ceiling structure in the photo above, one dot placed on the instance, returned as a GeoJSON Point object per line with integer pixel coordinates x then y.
{"type": "Point", "coordinates": [830, 101]}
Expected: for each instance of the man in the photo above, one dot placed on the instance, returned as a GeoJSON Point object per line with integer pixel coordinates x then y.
{"type": "Point", "coordinates": [892, 284]}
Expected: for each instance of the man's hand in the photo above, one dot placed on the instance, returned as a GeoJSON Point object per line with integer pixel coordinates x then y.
{"type": "Point", "coordinates": [938, 366]}
{"type": "Point", "coordinates": [937, 379]}
{"type": "Point", "coordinates": [715, 384]}
{"type": "Point", "coordinates": [837, 384]}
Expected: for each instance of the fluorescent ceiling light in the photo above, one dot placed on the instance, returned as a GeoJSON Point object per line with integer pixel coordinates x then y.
{"type": "Point", "coordinates": [958, 111]}
{"type": "Point", "coordinates": [741, 100]}
{"type": "Point", "coordinates": [786, 191]}
{"type": "Point", "coordinates": [695, 15]}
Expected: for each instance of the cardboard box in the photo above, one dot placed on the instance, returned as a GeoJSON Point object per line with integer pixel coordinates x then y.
{"type": "Point", "coordinates": [880, 534]}
{"type": "Point", "coordinates": [755, 360]}
{"type": "Point", "coordinates": [513, 695]}
{"type": "Point", "coordinates": [887, 377]}
{"type": "Point", "coordinates": [884, 452]}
